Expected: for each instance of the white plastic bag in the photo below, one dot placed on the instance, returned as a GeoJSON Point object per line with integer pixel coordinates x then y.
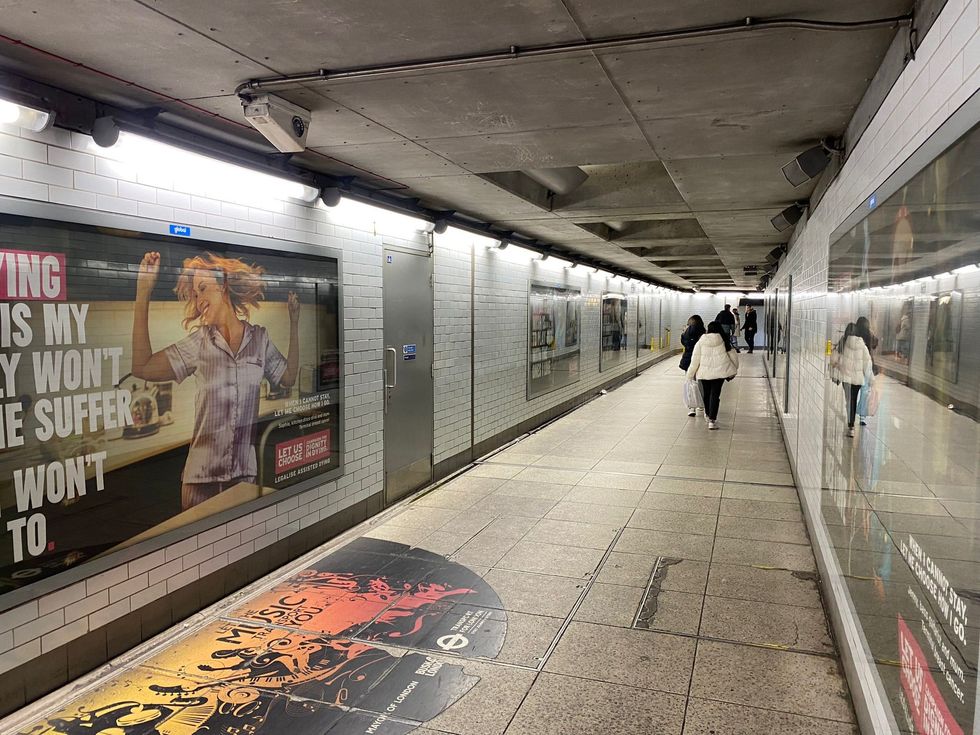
{"type": "Point", "coordinates": [692, 394]}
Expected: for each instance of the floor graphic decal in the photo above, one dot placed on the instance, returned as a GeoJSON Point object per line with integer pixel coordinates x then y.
{"type": "Point", "coordinates": [306, 657]}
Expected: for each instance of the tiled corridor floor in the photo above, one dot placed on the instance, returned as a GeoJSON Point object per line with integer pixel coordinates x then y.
{"type": "Point", "coordinates": [623, 570]}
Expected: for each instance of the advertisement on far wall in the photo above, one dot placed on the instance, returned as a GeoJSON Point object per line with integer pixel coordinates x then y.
{"type": "Point", "coordinates": [151, 382]}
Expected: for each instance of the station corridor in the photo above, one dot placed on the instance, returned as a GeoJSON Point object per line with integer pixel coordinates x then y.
{"type": "Point", "coordinates": [620, 570]}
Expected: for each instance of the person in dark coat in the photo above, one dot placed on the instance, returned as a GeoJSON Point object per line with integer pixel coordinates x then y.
{"type": "Point", "coordinates": [727, 321]}
{"type": "Point", "coordinates": [750, 326]}
{"type": "Point", "coordinates": [695, 330]}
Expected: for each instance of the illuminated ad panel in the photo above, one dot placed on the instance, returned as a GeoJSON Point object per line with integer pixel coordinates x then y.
{"type": "Point", "coordinates": [151, 382]}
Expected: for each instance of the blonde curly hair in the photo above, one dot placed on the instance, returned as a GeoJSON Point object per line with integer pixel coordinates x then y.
{"type": "Point", "coordinates": [242, 283]}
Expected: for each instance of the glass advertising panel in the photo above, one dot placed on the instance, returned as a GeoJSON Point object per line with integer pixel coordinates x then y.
{"type": "Point", "coordinates": [613, 347]}
{"type": "Point", "coordinates": [901, 499]}
{"type": "Point", "coordinates": [648, 324]}
{"type": "Point", "coordinates": [151, 382]}
{"type": "Point", "coordinates": [553, 338]}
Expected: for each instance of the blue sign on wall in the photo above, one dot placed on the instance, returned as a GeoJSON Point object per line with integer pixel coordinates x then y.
{"type": "Point", "coordinates": [180, 230]}
{"type": "Point", "coordinates": [408, 349]}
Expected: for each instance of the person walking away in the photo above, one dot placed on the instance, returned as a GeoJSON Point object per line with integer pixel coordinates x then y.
{"type": "Point", "coordinates": [689, 338]}
{"type": "Point", "coordinates": [855, 370]}
{"type": "Point", "coordinates": [726, 320]}
{"type": "Point", "coordinates": [750, 327]}
{"type": "Point", "coordinates": [712, 363]}
{"type": "Point", "coordinates": [863, 330]}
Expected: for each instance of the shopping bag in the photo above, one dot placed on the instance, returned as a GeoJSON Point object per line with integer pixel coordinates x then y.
{"type": "Point", "coordinates": [692, 394]}
{"type": "Point", "coordinates": [868, 398]}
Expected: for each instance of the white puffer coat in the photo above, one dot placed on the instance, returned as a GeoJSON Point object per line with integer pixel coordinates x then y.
{"type": "Point", "coordinates": [854, 362]}
{"type": "Point", "coordinates": [711, 361]}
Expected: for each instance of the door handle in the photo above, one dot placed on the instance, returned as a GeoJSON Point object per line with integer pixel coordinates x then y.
{"type": "Point", "coordinates": [394, 366]}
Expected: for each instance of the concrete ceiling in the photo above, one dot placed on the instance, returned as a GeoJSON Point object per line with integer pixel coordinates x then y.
{"type": "Point", "coordinates": [682, 141]}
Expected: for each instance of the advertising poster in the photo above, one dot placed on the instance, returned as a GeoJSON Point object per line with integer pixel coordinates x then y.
{"type": "Point", "coordinates": [553, 338]}
{"type": "Point", "coordinates": [150, 382]}
{"type": "Point", "coordinates": [310, 656]}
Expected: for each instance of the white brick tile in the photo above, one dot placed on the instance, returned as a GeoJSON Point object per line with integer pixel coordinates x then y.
{"type": "Point", "coordinates": [115, 204]}
{"type": "Point", "coordinates": [138, 192]}
{"type": "Point", "coordinates": [165, 571]}
{"type": "Point", "coordinates": [182, 579]}
{"type": "Point", "coordinates": [64, 635]}
{"type": "Point", "coordinates": [155, 211]}
{"type": "Point", "coordinates": [115, 170]}
{"type": "Point", "coordinates": [150, 594]}
{"type": "Point", "coordinates": [181, 548]}
{"type": "Point", "coordinates": [10, 166]}
{"type": "Point", "coordinates": [98, 184]}
{"type": "Point", "coordinates": [127, 588]}
{"type": "Point", "coordinates": [23, 189]}
{"type": "Point", "coordinates": [213, 565]}
{"type": "Point", "coordinates": [20, 148]}
{"type": "Point", "coordinates": [37, 628]}
{"type": "Point", "coordinates": [148, 562]}
{"type": "Point", "coordinates": [46, 174]}
{"type": "Point", "coordinates": [18, 616]}
{"type": "Point", "coordinates": [71, 159]}
{"type": "Point", "coordinates": [173, 199]}
{"type": "Point", "coordinates": [20, 655]}
{"type": "Point", "coordinates": [61, 598]}
{"type": "Point", "coordinates": [105, 580]}
{"type": "Point", "coordinates": [90, 604]}
{"type": "Point", "coordinates": [107, 614]}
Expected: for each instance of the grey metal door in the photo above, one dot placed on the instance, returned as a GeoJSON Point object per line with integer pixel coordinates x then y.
{"type": "Point", "coordinates": [407, 371]}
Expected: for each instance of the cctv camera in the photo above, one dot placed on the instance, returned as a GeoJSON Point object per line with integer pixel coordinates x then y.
{"type": "Point", "coordinates": [284, 124]}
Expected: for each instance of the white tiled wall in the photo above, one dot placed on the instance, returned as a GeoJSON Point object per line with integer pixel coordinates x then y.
{"type": "Point", "coordinates": [944, 74]}
{"type": "Point", "coordinates": [56, 166]}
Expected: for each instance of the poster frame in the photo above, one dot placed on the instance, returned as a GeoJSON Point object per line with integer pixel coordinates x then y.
{"type": "Point", "coordinates": [528, 394]}
{"type": "Point", "coordinates": [160, 229]}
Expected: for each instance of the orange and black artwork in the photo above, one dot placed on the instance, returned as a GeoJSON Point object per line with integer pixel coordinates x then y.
{"type": "Point", "coordinates": [366, 640]}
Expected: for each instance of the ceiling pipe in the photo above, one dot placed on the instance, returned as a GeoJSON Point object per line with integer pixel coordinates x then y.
{"type": "Point", "coordinates": [514, 53]}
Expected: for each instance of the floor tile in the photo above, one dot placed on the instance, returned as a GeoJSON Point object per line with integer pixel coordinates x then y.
{"type": "Point", "coordinates": [767, 478]}
{"type": "Point", "coordinates": [604, 496]}
{"type": "Point", "coordinates": [511, 505]}
{"type": "Point", "coordinates": [483, 550]}
{"type": "Point", "coordinates": [763, 553]}
{"type": "Point", "coordinates": [499, 471]}
{"type": "Point", "coordinates": [610, 604]}
{"type": "Point", "coordinates": [791, 532]}
{"type": "Point", "coordinates": [490, 705]}
{"type": "Point", "coordinates": [696, 473]}
{"type": "Point", "coordinates": [610, 515]}
{"type": "Point", "coordinates": [528, 638]}
{"type": "Point", "coordinates": [512, 527]}
{"type": "Point", "coordinates": [766, 624]}
{"type": "Point", "coordinates": [670, 520]}
{"type": "Point", "coordinates": [760, 509]}
{"type": "Point", "coordinates": [766, 585]}
{"type": "Point", "coordinates": [680, 503]}
{"type": "Point", "coordinates": [632, 570]}
{"type": "Point", "coordinates": [559, 462]}
{"type": "Point", "coordinates": [782, 680]}
{"type": "Point", "coordinates": [536, 594]}
{"type": "Point", "coordinates": [531, 489]}
{"type": "Point", "coordinates": [772, 493]}
{"type": "Point", "coordinates": [665, 543]}
{"type": "Point", "coordinates": [443, 543]}
{"type": "Point", "coordinates": [473, 483]}
{"type": "Point", "coordinates": [682, 486]}
{"type": "Point", "coordinates": [616, 480]}
{"type": "Point", "coordinates": [549, 475]}
{"type": "Point", "coordinates": [705, 717]}
{"type": "Point", "coordinates": [562, 705]}
{"type": "Point", "coordinates": [671, 612]}
{"type": "Point", "coordinates": [563, 561]}
{"type": "Point", "coordinates": [424, 517]}
{"type": "Point", "coordinates": [509, 456]}
{"type": "Point", "coordinates": [450, 499]}
{"type": "Point", "coordinates": [683, 575]}
{"type": "Point", "coordinates": [635, 468]}
{"type": "Point", "coordinates": [572, 533]}
{"type": "Point", "coordinates": [637, 658]}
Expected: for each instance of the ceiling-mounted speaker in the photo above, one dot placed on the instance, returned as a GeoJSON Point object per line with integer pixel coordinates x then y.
{"type": "Point", "coordinates": [788, 217]}
{"type": "Point", "coordinates": [105, 132]}
{"type": "Point", "coordinates": [440, 227]}
{"type": "Point", "coordinates": [330, 196]}
{"type": "Point", "coordinates": [773, 256]}
{"type": "Point", "coordinates": [809, 163]}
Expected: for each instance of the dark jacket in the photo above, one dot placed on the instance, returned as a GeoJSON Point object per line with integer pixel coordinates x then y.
{"type": "Point", "coordinates": [750, 323]}
{"type": "Point", "coordinates": [726, 317]}
{"type": "Point", "coordinates": [689, 338]}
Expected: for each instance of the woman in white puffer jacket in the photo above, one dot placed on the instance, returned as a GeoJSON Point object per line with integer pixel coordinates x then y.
{"type": "Point", "coordinates": [712, 363]}
{"type": "Point", "coordinates": [855, 369]}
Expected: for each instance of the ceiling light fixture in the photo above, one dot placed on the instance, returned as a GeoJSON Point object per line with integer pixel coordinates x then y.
{"type": "Point", "coordinates": [788, 217]}
{"type": "Point", "coordinates": [810, 162]}
{"type": "Point", "coordinates": [28, 117]}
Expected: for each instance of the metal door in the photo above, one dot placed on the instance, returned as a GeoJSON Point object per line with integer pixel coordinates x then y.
{"type": "Point", "coordinates": [407, 371]}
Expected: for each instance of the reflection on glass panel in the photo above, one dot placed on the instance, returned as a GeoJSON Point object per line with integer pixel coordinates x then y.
{"type": "Point", "coordinates": [553, 339]}
{"type": "Point", "coordinates": [648, 325]}
{"type": "Point", "coordinates": [614, 334]}
{"type": "Point", "coordinates": [900, 467]}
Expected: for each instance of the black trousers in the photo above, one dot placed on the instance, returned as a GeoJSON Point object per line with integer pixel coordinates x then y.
{"type": "Point", "coordinates": [750, 339]}
{"type": "Point", "coordinates": [711, 392]}
{"type": "Point", "coordinates": [851, 393]}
